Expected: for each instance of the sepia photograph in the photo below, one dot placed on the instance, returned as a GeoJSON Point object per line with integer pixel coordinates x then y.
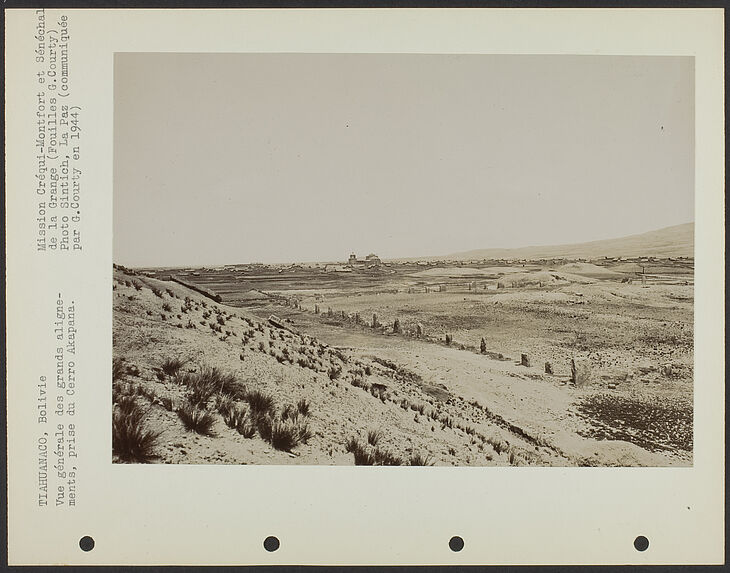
{"type": "Point", "coordinates": [361, 272]}
{"type": "Point", "coordinates": [403, 259]}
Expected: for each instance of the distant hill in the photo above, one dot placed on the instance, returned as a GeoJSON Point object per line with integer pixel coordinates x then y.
{"type": "Point", "coordinates": [676, 241]}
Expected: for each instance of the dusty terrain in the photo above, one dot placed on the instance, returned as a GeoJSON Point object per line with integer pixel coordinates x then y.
{"type": "Point", "coordinates": [627, 324]}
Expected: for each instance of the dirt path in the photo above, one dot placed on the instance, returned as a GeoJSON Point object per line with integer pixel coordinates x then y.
{"type": "Point", "coordinates": [538, 404]}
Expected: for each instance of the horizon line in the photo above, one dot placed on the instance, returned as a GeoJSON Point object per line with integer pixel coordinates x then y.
{"type": "Point", "coordinates": [400, 258]}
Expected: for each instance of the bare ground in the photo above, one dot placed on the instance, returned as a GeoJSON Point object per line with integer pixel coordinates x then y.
{"type": "Point", "coordinates": [450, 404]}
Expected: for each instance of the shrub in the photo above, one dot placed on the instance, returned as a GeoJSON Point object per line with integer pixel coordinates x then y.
{"type": "Point", "coordinates": [137, 286]}
{"type": "Point", "coordinates": [498, 445]}
{"type": "Point", "coordinates": [303, 407]}
{"type": "Point", "coordinates": [351, 444]}
{"type": "Point", "coordinates": [385, 458]}
{"type": "Point", "coordinates": [284, 435]}
{"type": "Point", "coordinates": [374, 437]}
{"type": "Point", "coordinates": [200, 388]}
{"type": "Point", "coordinates": [132, 441]}
{"type": "Point", "coordinates": [304, 434]}
{"type": "Point", "coordinates": [264, 424]}
{"type": "Point", "coordinates": [446, 421]}
{"type": "Point", "coordinates": [378, 391]}
{"type": "Point", "coordinates": [229, 384]}
{"type": "Point", "coordinates": [166, 307]}
{"type": "Point", "coordinates": [208, 381]}
{"type": "Point", "coordinates": [359, 382]}
{"type": "Point", "coordinates": [171, 366]}
{"type": "Point", "coordinates": [334, 372]}
{"type": "Point", "coordinates": [362, 456]}
{"type": "Point", "coordinates": [195, 418]}
{"type": "Point", "coordinates": [289, 412]}
{"type": "Point", "coordinates": [170, 292]}
{"type": "Point", "coordinates": [120, 389]}
{"type": "Point", "coordinates": [260, 402]}
{"type": "Point", "coordinates": [234, 417]}
{"type": "Point", "coordinates": [247, 429]}
{"type": "Point", "coordinates": [224, 403]}
{"type": "Point", "coordinates": [418, 459]}
{"type": "Point", "coordinates": [157, 292]}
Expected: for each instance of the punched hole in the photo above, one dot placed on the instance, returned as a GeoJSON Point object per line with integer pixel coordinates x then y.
{"type": "Point", "coordinates": [86, 543]}
{"type": "Point", "coordinates": [271, 543]}
{"type": "Point", "coordinates": [456, 543]}
{"type": "Point", "coordinates": [641, 543]}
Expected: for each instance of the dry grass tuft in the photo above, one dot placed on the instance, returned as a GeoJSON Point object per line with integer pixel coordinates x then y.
{"type": "Point", "coordinates": [374, 437]}
{"type": "Point", "coordinates": [132, 441]}
{"type": "Point", "coordinates": [260, 402]}
{"type": "Point", "coordinates": [196, 419]}
{"type": "Point", "coordinates": [418, 459]}
{"type": "Point", "coordinates": [171, 366]}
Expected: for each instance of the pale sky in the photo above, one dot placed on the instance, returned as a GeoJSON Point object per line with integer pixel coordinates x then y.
{"type": "Point", "coordinates": [236, 158]}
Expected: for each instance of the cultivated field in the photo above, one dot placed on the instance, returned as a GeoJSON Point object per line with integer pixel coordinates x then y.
{"type": "Point", "coordinates": [441, 362]}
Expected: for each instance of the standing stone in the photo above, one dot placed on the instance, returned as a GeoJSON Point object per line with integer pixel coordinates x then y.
{"type": "Point", "coordinates": [396, 326]}
{"type": "Point", "coordinates": [483, 346]}
{"type": "Point", "coordinates": [316, 309]}
{"type": "Point", "coordinates": [419, 330]}
{"type": "Point", "coordinates": [525, 360]}
{"type": "Point", "coordinates": [580, 371]}
{"type": "Point", "coordinates": [357, 318]}
{"type": "Point", "coordinates": [375, 321]}
{"type": "Point", "coordinates": [548, 368]}
{"type": "Point", "coordinates": [449, 339]}
{"type": "Point", "coordinates": [500, 285]}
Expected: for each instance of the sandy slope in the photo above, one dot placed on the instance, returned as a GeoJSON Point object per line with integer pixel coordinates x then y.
{"type": "Point", "coordinates": [458, 407]}
{"type": "Point", "coordinates": [148, 328]}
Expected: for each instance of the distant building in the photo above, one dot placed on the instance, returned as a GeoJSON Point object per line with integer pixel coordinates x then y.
{"type": "Point", "coordinates": [371, 261]}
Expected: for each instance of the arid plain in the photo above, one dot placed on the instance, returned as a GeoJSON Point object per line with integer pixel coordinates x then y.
{"type": "Point", "coordinates": [567, 355]}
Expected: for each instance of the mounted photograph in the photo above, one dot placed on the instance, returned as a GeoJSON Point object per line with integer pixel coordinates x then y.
{"type": "Point", "coordinates": [403, 259]}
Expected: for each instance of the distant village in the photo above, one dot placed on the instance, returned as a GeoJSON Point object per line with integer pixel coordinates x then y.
{"type": "Point", "coordinates": [373, 264]}
{"type": "Point", "coordinates": [370, 262]}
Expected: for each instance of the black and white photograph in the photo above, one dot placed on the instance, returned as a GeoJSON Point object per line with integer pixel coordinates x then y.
{"type": "Point", "coordinates": [283, 284]}
{"type": "Point", "coordinates": [403, 259]}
